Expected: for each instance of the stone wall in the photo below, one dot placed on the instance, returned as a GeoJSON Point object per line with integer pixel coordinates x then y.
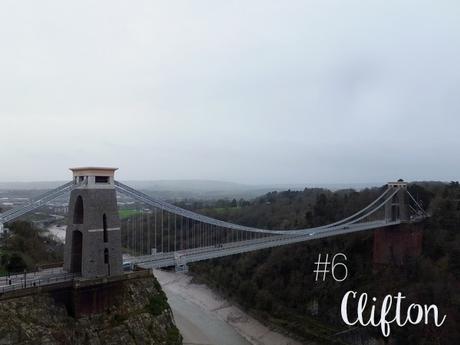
{"type": "Point", "coordinates": [397, 245]}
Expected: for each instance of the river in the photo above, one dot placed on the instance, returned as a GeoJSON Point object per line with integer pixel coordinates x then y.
{"type": "Point", "coordinates": [199, 326]}
{"type": "Point", "coordinates": [203, 317]}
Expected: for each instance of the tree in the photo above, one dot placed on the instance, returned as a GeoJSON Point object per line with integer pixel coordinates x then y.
{"type": "Point", "coordinates": [264, 300]}
{"type": "Point", "coordinates": [16, 264]}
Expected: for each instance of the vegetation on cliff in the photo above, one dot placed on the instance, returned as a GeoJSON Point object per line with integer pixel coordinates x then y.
{"type": "Point", "coordinates": [39, 319]}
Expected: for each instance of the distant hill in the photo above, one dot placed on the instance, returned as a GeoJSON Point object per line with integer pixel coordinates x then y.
{"type": "Point", "coordinates": [30, 185]}
{"type": "Point", "coordinates": [192, 185]}
{"type": "Point", "coordinates": [213, 185]}
{"type": "Point", "coordinates": [198, 189]}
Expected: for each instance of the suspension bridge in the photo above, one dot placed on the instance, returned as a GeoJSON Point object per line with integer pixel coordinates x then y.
{"type": "Point", "coordinates": [160, 234]}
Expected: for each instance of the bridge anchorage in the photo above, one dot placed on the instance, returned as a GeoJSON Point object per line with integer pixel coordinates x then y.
{"type": "Point", "coordinates": [161, 234]}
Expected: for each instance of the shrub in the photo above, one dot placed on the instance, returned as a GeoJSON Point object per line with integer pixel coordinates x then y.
{"type": "Point", "coordinates": [157, 304]}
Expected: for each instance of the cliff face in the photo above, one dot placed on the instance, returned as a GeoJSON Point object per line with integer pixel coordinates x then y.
{"type": "Point", "coordinates": [140, 316]}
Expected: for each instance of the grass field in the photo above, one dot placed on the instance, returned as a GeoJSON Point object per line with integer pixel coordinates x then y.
{"type": "Point", "coordinates": [126, 213]}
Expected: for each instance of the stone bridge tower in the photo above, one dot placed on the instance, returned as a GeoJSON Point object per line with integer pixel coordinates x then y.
{"type": "Point", "coordinates": [93, 237]}
{"type": "Point", "coordinates": [397, 207]}
{"type": "Point", "coordinates": [400, 244]}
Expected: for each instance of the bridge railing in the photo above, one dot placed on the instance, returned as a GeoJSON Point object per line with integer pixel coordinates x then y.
{"type": "Point", "coordinates": [18, 284]}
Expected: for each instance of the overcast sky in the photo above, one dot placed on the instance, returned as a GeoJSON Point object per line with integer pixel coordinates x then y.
{"type": "Point", "coordinates": [246, 91]}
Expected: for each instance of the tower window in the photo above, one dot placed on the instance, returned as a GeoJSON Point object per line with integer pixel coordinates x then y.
{"type": "Point", "coordinates": [102, 179]}
{"type": "Point", "coordinates": [104, 227]}
{"type": "Point", "coordinates": [78, 211]}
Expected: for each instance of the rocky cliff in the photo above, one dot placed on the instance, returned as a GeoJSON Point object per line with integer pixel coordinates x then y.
{"type": "Point", "coordinates": [141, 315]}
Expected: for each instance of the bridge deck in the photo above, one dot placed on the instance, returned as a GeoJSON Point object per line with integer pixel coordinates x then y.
{"type": "Point", "coordinates": [169, 259]}
{"type": "Point", "coordinates": [204, 253]}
